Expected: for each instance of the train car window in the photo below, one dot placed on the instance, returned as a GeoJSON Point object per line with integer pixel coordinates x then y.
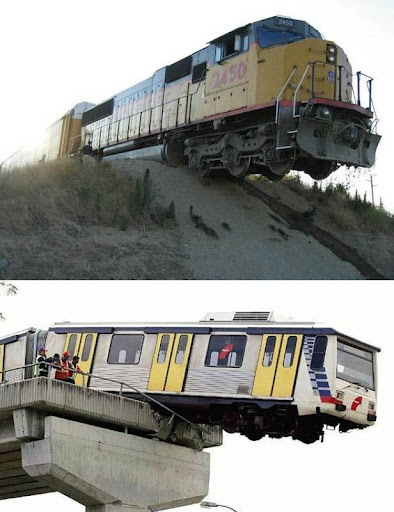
{"type": "Point", "coordinates": [290, 351]}
{"type": "Point", "coordinates": [199, 72]}
{"type": "Point", "coordinates": [99, 112]}
{"type": "Point", "coordinates": [225, 350]}
{"type": "Point", "coordinates": [269, 351]}
{"type": "Point", "coordinates": [165, 341]}
{"type": "Point", "coordinates": [87, 347]}
{"type": "Point", "coordinates": [180, 354]}
{"type": "Point", "coordinates": [319, 352]}
{"type": "Point", "coordinates": [125, 349]}
{"type": "Point", "coordinates": [270, 37]}
{"type": "Point", "coordinates": [72, 343]}
{"type": "Point", "coordinates": [355, 365]}
{"type": "Point", "coordinates": [231, 46]}
{"type": "Point", "coordinates": [178, 69]}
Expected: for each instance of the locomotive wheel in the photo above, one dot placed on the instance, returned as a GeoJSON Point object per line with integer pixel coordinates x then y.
{"type": "Point", "coordinates": [321, 170]}
{"type": "Point", "coordinates": [203, 171]}
{"type": "Point", "coordinates": [239, 171]}
{"type": "Point", "coordinates": [281, 168]}
{"type": "Point", "coordinates": [265, 171]}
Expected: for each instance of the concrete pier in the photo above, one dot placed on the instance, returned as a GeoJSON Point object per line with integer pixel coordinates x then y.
{"type": "Point", "coordinates": [86, 456]}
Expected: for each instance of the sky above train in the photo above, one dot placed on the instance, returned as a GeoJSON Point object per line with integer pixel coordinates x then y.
{"type": "Point", "coordinates": [56, 54]}
{"type": "Point", "coordinates": [249, 476]}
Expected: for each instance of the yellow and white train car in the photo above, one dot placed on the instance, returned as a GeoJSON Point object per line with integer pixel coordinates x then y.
{"type": "Point", "coordinates": [252, 373]}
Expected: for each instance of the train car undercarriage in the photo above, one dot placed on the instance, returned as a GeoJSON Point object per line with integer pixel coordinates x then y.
{"type": "Point", "coordinates": [255, 419]}
{"type": "Point", "coordinates": [269, 141]}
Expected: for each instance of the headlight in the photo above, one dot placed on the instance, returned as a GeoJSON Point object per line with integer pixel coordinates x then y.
{"type": "Point", "coordinates": [331, 53]}
{"type": "Point", "coordinates": [323, 113]}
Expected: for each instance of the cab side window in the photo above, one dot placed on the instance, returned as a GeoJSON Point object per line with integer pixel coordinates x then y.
{"type": "Point", "coordinates": [236, 43]}
{"type": "Point", "coordinates": [319, 352]}
{"type": "Point", "coordinates": [125, 349]}
{"type": "Point", "coordinates": [226, 350]}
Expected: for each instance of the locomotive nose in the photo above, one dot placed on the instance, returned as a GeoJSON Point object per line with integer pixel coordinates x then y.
{"type": "Point", "coordinates": [352, 135]}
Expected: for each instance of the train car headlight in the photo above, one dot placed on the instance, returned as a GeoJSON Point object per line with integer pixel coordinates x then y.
{"type": "Point", "coordinates": [323, 113]}
{"type": "Point", "coordinates": [331, 53]}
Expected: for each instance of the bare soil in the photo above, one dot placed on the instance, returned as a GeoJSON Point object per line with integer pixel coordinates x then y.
{"type": "Point", "coordinates": [222, 231]}
{"type": "Point", "coordinates": [243, 238]}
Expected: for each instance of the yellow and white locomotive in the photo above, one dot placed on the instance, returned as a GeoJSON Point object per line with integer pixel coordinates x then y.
{"type": "Point", "coordinates": [265, 98]}
{"type": "Point", "coordinates": [252, 373]}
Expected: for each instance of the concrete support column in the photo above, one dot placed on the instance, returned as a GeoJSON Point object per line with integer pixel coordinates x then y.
{"type": "Point", "coordinates": [109, 471]}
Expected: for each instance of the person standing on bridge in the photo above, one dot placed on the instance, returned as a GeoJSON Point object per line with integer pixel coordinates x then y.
{"type": "Point", "coordinates": [63, 371]}
{"type": "Point", "coordinates": [74, 366]}
{"type": "Point", "coordinates": [41, 369]}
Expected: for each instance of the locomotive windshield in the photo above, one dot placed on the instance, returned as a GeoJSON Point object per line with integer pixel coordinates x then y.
{"type": "Point", "coordinates": [355, 365]}
{"type": "Point", "coordinates": [270, 37]}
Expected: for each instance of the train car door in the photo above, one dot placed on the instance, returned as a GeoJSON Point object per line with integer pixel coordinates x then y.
{"type": "Point", "coordinates": [1, 362]}
{"type": "Point", "coordinates": [277, 365]}
{"type": "Point", "coordinates": [170, 361]}
{"type": "Point", "coordinates": [82, 345]}
{"type": "Point", "coordinates": [287, 365]}
{"type": "Point", "coordinates": [266, 365]}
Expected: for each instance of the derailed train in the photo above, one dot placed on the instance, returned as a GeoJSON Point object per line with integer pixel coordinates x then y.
{"type": "Point", "coordinates": [265, 98]}
{"type": "Point", "coordinates": [252, 373]}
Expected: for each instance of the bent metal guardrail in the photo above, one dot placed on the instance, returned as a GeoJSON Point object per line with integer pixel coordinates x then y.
{"type": "Point", "coordinates": [20, 376]}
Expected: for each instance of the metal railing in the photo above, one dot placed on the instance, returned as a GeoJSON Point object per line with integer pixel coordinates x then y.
{"type": "Point", "coordinates": [337, 81]}
{"type": "Point", "coordinates": [22, 370]}
{"type": "Point", "coordinates": [115, 138]}
{"type": "Point", "coordinates": [281, 92]}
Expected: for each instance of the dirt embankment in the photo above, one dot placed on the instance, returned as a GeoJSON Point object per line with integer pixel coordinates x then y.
{"type": "Point", "coordinates": [81, 224]}
{"type": "Point", "coordinates": [228, 234]}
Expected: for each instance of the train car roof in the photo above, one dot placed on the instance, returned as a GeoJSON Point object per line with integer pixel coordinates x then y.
{"type": "Point", "coordinates": [209, 327]}
{"type": "Point", "coordinates": [9, 338]}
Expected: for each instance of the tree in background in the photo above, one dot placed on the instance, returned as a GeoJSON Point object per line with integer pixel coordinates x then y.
{"type": "Point", "coordinates": [7, 289]}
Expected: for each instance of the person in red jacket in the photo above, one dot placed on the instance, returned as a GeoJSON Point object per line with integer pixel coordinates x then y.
{"type": "Point", "coordinates": [62, 372]}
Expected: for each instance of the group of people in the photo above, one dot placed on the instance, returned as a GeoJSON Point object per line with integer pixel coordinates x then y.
{"type": "Point", "coordinates": [64, 368]}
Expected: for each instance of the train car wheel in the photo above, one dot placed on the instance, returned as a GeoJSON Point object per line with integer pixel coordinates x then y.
{"type": "Point", "coordinates": [203, 171]}
{"type": "Point", "coordinates": [239, 171]}
{"type": "Point", "coordinates": [282, 167]}
{"type": "Point", "coordinates": [321, 170]}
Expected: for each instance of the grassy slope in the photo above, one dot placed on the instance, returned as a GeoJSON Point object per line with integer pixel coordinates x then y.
{"type": "Point", "coordinates": [73, 220]}
{"type": "Point", "coordinates": [366, 228]}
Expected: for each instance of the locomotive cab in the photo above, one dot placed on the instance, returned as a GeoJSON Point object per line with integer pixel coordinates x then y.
{"type": "Point", "coordinates": [355, 381]}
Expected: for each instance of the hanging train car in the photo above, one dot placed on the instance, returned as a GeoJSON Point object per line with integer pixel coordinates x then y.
{"type": "Point", "coordinates": [264, 98]}
{"type": "Point", "coordinates": [252, 373]}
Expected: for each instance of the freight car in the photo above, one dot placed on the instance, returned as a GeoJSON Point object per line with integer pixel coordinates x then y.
{"type": "Point", "coordinates": [61, 139]}
{"type": "Point", "coordinates": [264, 98]}
{"type": "Point", "coordinates": [253, 373]}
